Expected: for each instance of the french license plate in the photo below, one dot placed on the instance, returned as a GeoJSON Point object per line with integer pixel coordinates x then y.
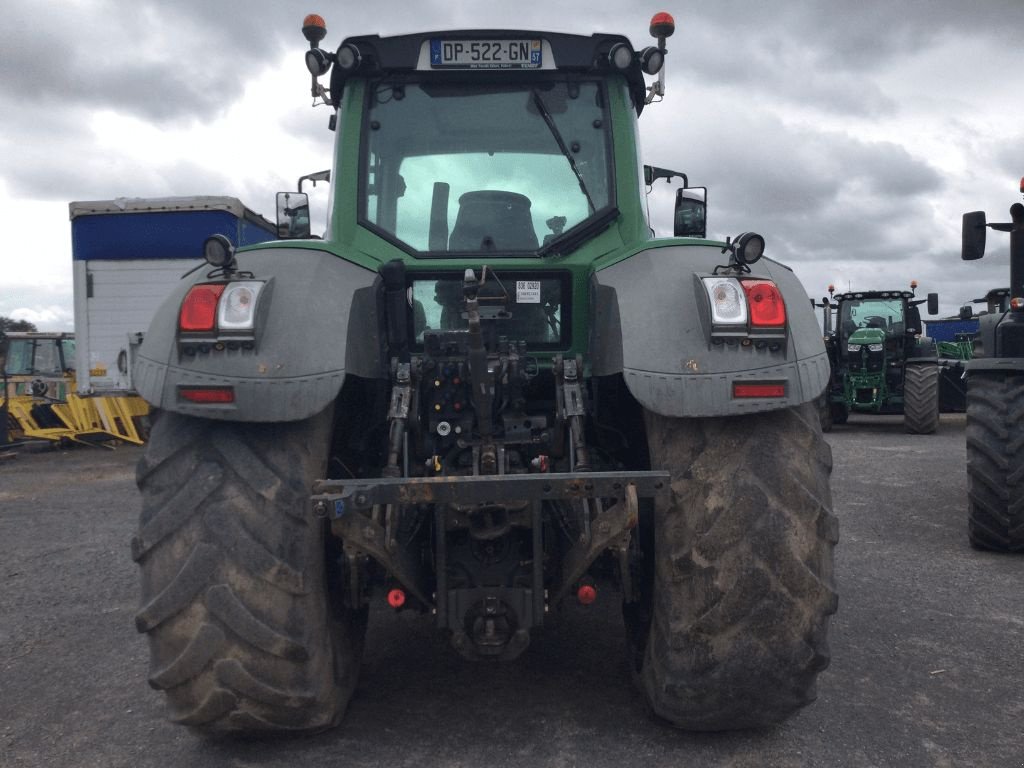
{"type": "Point", "coordinates": [485, 54]}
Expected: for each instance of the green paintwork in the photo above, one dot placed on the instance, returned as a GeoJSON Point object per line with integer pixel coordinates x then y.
{"type": "Point", "coordinates": [627, 235]}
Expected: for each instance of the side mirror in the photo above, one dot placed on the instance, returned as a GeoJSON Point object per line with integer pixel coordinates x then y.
{"type": "Point", "coordinates": [292, 215]}
{"type": "Point", "coordinates": [973, 236]}
{"type": "Point", "coordinates": [966, 312]}
{"type": "Point", "coordinates": [933, 303]}
{"type": "Point", "coordinates": [691, 212]}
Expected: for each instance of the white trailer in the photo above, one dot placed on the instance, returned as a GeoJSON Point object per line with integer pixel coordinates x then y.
{"type": "Point", "coordinates": [128, 253]}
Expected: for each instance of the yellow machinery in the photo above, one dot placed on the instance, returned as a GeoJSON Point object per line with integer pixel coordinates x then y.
{"type": "Point", "coordinates": [40, 402]}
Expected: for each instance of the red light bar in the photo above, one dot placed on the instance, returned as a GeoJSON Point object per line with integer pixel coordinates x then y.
{"type": "Point", "coordinates": [758, 389]}
{"type": "Point", "coordinates": [207, 394]}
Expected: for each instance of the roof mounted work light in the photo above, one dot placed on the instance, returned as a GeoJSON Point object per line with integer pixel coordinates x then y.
{"type": "Point", "coordinates": [651, 60]}
{"type": "Point", "coordinates": [317, 62]}
{"type": "Point", "coordinates": [349, 57]}
{"type": "Point", "coordinates": [620, 56]}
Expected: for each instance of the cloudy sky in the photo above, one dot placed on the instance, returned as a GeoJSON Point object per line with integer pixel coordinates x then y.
{"type": "Point", "coordinates": [851, 135]}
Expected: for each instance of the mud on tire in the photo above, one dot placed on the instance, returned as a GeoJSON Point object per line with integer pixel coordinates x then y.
{"type": "Point", "coordinates": [921, 398]}
{"type": "Point", "coordinates": [241, 633]}
{"type": "Point", "coordinates": [743, 569]}
{"type": "Point", "coordinates": [995, 461]}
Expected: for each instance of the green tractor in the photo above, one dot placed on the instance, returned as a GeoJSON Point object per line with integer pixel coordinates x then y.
{"type": "Point", "coordinates": [881, 361]}
{"type": "Point", "coordinates": [485, 395]}
{"type": "Point", "coordinates": [995, 397]}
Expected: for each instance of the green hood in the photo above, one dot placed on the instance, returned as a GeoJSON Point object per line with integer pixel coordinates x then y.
{"type": "Point", "coordinates": [867, 336]}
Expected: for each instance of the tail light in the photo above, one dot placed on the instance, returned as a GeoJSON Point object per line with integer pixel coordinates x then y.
{"type": "Point", "coordinates": [229, 307]}
{"type": "Point", "coordinates": [199, 309]}
{"type": "Point", "coordinates": [742, 307]}
{"type": "Point", "coordinates": [767, 309]}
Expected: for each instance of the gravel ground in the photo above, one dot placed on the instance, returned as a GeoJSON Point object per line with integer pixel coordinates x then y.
{"type": "Point", "coordinates": [927, 645]}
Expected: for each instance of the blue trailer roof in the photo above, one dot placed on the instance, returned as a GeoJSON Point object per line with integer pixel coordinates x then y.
{"type": "Point", "coordinates": [161, 228]}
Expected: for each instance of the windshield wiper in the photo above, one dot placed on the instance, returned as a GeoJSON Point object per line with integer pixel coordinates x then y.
{"type": "Point", "coordinates": [539, 101]}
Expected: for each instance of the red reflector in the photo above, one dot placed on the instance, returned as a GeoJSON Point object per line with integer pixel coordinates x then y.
{"type": "Point", "coordinates": [758, 390]}
{"type": "Point", "coordinates": [207, 394]}
{"type": "Point", "coordinates": [396, 598]}
{"type": "Point", "coordinates": [586, 594]}
{"type": "Point", "coordinates": [766, 305]}
{"type": "Point", "coordinates": [199, 309]}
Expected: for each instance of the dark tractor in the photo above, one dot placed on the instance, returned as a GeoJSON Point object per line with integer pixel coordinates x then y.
{"type": "Point", "coordinates": [485, 395]}
{"type": "Point", "coordinates": [995, 398]}
{"type": "Point", "coordinates": [881, 360]}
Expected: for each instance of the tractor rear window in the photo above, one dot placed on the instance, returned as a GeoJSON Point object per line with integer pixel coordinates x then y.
{"type": "Point", "coordinates": [484, 168]}
{"type": "Point", "coordinates": [523, 307]}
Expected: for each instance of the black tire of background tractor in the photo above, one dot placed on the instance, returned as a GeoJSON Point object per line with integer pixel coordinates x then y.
{"type": "Point", "coordinates": [840, 413]}
{"type": "Point", "coordinates": [743, 572]}
{"type": "Point", "coordinates": [824, 411]}
{"type": "Point", "coordinates": [921, 398]}
{"type": "Point", "coordinates": [242, 634]}
{"type": "Point", "coordinates": [995, 461]}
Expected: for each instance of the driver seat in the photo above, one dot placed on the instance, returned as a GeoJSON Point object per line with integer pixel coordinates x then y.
{"type": "Point", "coordinates": [493, 220]}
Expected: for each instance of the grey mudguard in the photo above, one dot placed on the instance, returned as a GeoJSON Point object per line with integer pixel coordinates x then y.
{"type": "Point", "coordinates": [306, 340]}
{"type": "Point", "coordinates": [652, 325]}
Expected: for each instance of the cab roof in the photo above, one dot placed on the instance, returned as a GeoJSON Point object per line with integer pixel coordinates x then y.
{"type": "Point", "coordinates": [406, 54]}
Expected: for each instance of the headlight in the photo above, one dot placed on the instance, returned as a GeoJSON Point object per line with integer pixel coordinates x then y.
{"type": "Point", "coordinates": [853, 347]}
{"type": "Point", "coordinates": [875, 347]}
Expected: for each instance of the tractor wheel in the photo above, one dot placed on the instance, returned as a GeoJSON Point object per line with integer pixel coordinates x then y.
{"type": "Point", "coordinates": [921, 398]}
{"type": "Point", "coordinates": [243, 635]}
{"type": "Point", "coordinates": [995, 461]}
{"type": "Point", "coordinates": [743, 569]}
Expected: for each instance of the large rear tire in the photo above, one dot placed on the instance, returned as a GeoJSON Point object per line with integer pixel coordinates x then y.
{"type": "Point", "coordinates": [921, 398]}
{"type": "Point", "coordinates": [242, 634]}
{"type": "Point", "coordinates": [743, 569]}
{"type": "Point", "coordinates": [995, 461]}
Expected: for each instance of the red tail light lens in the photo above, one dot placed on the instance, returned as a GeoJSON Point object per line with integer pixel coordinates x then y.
{"type": "Point", "coordinates": [767, 309]}
{"type": "Point", "coordinates": [199, 309]}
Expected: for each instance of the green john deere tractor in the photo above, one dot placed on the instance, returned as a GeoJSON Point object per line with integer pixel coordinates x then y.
{"type": "Point", "coordinates": [995, 397]}
{"type": "Point", "coordinates": [488, 393]}
{"type": "Point", "coordinates": [881, 360]}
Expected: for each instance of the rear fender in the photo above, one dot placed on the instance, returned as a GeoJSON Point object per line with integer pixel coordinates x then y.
{"type": "Point", "coordinates": [320, 322]}
{"type": "Point", "coordinates": [652, 325]}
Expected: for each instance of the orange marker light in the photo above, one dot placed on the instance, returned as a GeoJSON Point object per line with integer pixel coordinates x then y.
{"type": "Point", "coordinates": [662, 25]}
{"type": "Point", "coordinates": [396, 598]}
{"type": "Point", "coordinates": [314, 29]}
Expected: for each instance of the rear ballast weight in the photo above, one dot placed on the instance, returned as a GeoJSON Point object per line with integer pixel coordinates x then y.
{"type": "Point", "coordinates": [485, 394]}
